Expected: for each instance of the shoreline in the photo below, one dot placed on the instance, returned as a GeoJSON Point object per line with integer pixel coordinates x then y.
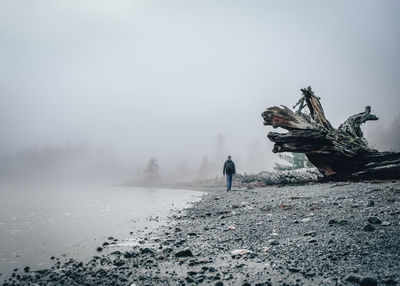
{"type": "Point", "coordinates": [330, 234]}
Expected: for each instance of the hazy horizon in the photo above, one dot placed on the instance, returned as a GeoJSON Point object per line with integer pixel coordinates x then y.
{"type": "Point", "coordinates": [162, 79]}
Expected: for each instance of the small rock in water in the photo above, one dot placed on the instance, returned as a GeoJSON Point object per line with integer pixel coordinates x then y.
{"type": "Point", "coordinates": [368, 281]}
{"type": "Point", "coordinates": [353, 277]}
{"type": "Point", "coordinates": [370, 204]}
{"type": "Point", "coordinates": [307, 219]}
{"type": "Point", "coordinates": [374, 220]}
{"type": "Point", "coordinates": [27, 268]}
{"type": "Point", "coordinates": [332, 221]}
{"type": "Point", "coordinates": [369, 227]}
{"type": "Point", "coordinates": [386, 223]}
{"type": "Point", "coordinates": [184, 253]}
{"type": "Point", "coordinates": [99, 249]}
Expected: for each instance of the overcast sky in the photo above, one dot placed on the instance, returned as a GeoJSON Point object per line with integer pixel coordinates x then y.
{"type": "Point", "coordinates": [164, 78]}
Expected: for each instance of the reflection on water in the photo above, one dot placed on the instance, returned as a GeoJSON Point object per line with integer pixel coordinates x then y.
{"type": "Point", "coordinates": [38, 223]}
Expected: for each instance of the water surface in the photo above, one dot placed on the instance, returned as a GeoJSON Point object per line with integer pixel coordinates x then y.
{"type": "Point", "coordinates": [39, 222]}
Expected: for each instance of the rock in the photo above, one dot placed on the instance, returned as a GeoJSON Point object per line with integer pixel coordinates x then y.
{"type": "Point", "coordinates": [26, 269]}
{"type": "Point", "coordinates": [332, 221]}
{"type": "Point", "coordinates": [369, 227]}
{"type": "Point", "coordinates": [312, 240]}
{"type": "Point", "coordinates": [238, 252]}
{"type": "Point", "coordinates": [99, 249]}
{"type": "Point", "coordinates": [370, 203]}
{"type": "Point", "coordinates": [368, 281]}
{"type": "Point", "coordinates": [128, 255]}
{"type": "Point", "coordinates": [294, 269]}
{"type": "Point", "coordinates": [266, 249]}
{"type": "Point", "coordinates": [386, 223]}
{"type": "Point", "coordinates": [231, 227]}
{"type": "Point", "coordinates": [353, 277]}
{"type": "Point", "coordinates": [184, 253]}
{"type": "Point", "coordinates": [307, 219]}
{"type": "Point", "coordinates": [273, 242]}
{"type": "Point", "coordinates": [147, 251]}
{"type": "Point", "coordinates": [219, 283]}
{"type": "Point", "coordinates": [192, 234]}
{"type": "Point", "coordinates": [343, 222]}
{"type": "Point", "coordinates": [374, 220]}
{"type": "Point", "coordinates": [105, 243]}
{"type": "Point", "coordinates": [177, 229]}
{"type": "Point", "coordinates": [311, 233]}
{"type": "Point", "coordinates": [118, 263]}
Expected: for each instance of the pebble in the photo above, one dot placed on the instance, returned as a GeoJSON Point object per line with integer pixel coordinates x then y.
{"type": "Point", "coordinates": [184, 253]}
{"type": "Point", "coordinates": [273, 242]}
{"type": "Point", "coordinates": [374, 220]}
{"type": "Point", "coordinates": [369, 227]}
{"type": "Point", "coordinates": [147, 251]}
{"type": "Point", "coordinates": [311, 233]}
{"type": "Point", "coordinates": [238, 252]}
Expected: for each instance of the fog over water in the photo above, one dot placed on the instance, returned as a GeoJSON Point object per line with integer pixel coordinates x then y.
{"type": "Point", "coordinates": [100, 87]}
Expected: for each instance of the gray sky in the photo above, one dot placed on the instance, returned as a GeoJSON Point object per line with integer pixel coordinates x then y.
{"type": "Point", "coordinates": [163, 78]}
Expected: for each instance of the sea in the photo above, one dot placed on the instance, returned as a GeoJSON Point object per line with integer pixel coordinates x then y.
{"type": "Point", "coordinates": [40, 222]}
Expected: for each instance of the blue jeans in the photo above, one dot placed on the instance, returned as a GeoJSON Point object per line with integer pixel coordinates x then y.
{"type": "Point", "coordinates": [228, 181]}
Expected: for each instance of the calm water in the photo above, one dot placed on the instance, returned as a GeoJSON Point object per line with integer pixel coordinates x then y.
{"type": "Point", "coordinates": [37, 223]}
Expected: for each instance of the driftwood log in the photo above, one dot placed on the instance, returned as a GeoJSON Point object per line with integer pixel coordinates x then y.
{"type": "Point", "coordinates": [339, 154]}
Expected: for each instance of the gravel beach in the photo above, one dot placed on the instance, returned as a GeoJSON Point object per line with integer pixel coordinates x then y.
{"type": "Point", "coordinates": [313, 234]}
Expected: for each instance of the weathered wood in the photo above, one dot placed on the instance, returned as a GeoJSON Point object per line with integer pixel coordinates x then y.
{"type": "Point", "coordinates": [341, 153]}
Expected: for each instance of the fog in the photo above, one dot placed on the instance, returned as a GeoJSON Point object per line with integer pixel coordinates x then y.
{"type": "Point", "coordinates": [97, 88]}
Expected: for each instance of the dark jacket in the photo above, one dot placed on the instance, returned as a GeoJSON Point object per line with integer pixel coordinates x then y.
{"type": "Point", "coordinates": [229, 167]}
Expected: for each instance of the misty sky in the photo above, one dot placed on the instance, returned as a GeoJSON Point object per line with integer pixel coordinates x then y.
{"type": "Point", "coordinates": [164, 78]}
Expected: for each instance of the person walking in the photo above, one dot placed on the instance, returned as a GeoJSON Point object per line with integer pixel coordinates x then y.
{"type": "Point", "coordinates": [229, 170]}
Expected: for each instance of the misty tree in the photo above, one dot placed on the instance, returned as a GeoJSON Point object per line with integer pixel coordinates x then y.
{"type": "Point", "coordinates": [204, 169]}
{"type": "Point", "coordinates": [220, 147]}
{"type": "Point", "coordinates": [151, 171]}
{"type": "Point", "coordinates": [295, 161]}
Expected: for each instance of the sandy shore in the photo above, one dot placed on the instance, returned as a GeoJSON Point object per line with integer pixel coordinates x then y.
{"type": "Point", "coordinates": [315, 234]}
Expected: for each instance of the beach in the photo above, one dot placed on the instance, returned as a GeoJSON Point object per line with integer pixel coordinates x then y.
{"type": "Point", "coordinates": [312, 234]}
